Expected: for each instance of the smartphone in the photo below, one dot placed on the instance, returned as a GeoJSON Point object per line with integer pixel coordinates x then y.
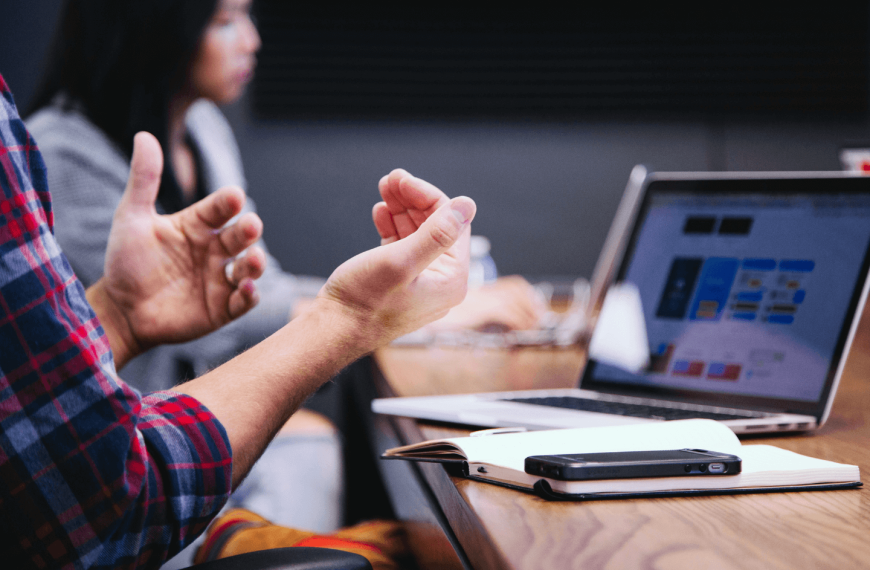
{"type": "Point", "coordinates": [631, 464]}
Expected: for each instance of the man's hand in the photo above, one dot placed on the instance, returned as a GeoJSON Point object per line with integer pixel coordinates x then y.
{"type": "Point", "coordinates": [419, 272]}
{"type": "Point", "coordinates": [166, 277]}
{"type": "Point", "coordinates": [414, 278]}
{"type": "Point", "coordinates": [510, 303]}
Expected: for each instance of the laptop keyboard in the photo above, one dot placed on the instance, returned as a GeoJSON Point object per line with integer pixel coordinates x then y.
{"type": "Point", "coordinates": [633, 410]}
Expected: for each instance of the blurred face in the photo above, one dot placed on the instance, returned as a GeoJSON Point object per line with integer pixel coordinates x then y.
{"type": "Point", "coordinates": [225, 60]}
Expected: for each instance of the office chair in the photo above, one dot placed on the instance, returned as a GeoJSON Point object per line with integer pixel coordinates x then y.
{"type": "Point", "coordinates": [294, 558]}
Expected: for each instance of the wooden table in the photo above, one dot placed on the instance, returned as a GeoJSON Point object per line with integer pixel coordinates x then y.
{"type": "Point", "coordinates": [490, 527]}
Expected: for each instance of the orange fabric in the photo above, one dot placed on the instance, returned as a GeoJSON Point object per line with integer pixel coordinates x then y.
{"type": "Point", "coordinates": [226, 523]}
{"type": "Point", "coordinates": [381, 542]}
{"type": "Point", "coordinates": [337, 543]}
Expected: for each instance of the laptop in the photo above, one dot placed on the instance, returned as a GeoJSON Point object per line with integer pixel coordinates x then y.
{"type": "Point", "coordinates": [751, 286]}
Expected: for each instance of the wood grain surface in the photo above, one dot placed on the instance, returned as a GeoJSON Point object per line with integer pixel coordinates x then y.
{"type": "Point", "coordinates": [503, 528]}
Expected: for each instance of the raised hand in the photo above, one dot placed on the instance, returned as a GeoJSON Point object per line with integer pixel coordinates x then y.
{"type": "Point", "coordinates": [419, 272]}
{"type": "Point", "coordinates": [510, 303]}
{"type": "Point", "coordinates": [166, 278]}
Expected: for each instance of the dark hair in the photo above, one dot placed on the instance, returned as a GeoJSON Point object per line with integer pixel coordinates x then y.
{"type": "Point", "coordinates": [123, 61]}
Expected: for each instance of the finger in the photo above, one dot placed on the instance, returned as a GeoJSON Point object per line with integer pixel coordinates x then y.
{"type": "Point", "coordinates": [389, 189]}
{"type": "Point", "coordinates": [384, 223]}
{"type": "Point", "coordinates": [249, 266]}
{"type": "Point", "coordinates": [218, 208]}
{"type": "Point", "coordinates": [146, 166]}
{"type": "Point", "coordinates": [436, 236]}
{"type": "Point", "coordinates": [519, 293]}
{"type": "Point", "coordinates": [402, 192]}
{"type": "Point", "coordinates": [243, 299]}
{"type": "Point", "coordinates": [409, 200]}
{"type": "Point", "coordinates": [526, 309]}
{"type": "Point", "coordinates": [397, 206]}
{"type": "Point", "coordinates": [405, 225]}
{"type": "Point", "coordinates": [421, 195]}
{"type": "Point", "coordinates": [422, 199]}
{"type": "Point", "coordinates": [522, 319]}
{"type": "Point", "coordinates": [242, 234]}
{"type": "Point", "coordinates": [397, 203]}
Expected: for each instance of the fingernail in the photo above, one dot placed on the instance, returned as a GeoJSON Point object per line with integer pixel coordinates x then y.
{"type": "Point", "coordinates": [462, 209]}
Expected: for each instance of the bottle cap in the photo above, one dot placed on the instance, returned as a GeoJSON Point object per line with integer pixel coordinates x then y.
{"type": "Point", "coordinates": [480, 246]}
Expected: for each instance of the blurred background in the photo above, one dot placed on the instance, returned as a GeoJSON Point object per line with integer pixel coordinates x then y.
{"type": "Point", "coordinates": [538, 115]}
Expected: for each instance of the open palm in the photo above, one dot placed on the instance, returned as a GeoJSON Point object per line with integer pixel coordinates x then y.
{"type": "Point", "coordinates": [167, 275]}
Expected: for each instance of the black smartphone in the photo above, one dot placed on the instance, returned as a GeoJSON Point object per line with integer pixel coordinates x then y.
{"type": "Point", "coordinates": [631, 464]}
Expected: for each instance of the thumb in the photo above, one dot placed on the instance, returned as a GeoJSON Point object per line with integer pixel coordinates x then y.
{"type": "Point", "coordinates": [146, 167]}
{"type": "Point", "coordinates": [437, 234]}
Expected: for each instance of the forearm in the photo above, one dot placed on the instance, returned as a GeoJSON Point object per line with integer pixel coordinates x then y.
{"type": "Point", "coordinates": [254, 394]}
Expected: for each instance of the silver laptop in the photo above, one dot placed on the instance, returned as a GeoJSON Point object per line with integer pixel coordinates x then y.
{"type": "Point", "coordinates": [752, 285]}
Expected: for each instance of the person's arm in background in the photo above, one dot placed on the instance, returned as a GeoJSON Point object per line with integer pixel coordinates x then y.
{"type": "Point", "coordinates": [509, 303]}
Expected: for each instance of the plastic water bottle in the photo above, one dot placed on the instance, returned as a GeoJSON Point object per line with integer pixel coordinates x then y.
{"type": "Point", "coordinates": [482, 267]}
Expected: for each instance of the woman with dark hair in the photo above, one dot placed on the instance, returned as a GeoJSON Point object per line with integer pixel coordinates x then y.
{"type": "Point", "coordinates": [117, 67]}
{"type": "Point", "coordinates": [122, 66]}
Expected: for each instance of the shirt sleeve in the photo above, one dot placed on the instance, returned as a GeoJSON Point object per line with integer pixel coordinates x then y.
{"type": "Point", "coordinates": [92, 475]}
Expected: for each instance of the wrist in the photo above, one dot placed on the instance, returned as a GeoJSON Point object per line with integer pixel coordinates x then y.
{"type": "Point", "coordinates": [114, 323]}
{"type": "Point", "coordinates": [354, 330]}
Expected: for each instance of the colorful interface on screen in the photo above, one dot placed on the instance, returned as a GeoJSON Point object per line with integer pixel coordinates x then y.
{"type": "Point", "coordinates": [746, 294]}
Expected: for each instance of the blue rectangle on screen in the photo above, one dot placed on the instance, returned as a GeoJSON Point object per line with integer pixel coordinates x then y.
{"type": "Point", "coordinates": [801, 265]}
{"type": "Point", "coordinates": [750, 296]}
{"type": "Point", "coordinates": [799, 296]}
{"type": "Point", "coordinates": [714, 288]}
{"type": "Point", "coordinates": [759, 264]}
{"type": "Point", "coordinates": [743, 316]}
{"type": "Point", "coordinates": [780, 319]}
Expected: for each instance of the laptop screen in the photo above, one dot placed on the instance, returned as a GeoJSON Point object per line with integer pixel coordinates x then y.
{"type": "Point", "coordinates": [748, 288]}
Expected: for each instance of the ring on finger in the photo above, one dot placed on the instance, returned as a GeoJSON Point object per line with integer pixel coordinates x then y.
{"type": "Point", "coordinates": [228, 271]}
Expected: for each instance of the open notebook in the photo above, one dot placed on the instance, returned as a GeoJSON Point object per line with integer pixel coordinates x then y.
{"type": "Point", "coordinates": [499, 459]}
{"type": "Point", "coordinates": [751, 285]}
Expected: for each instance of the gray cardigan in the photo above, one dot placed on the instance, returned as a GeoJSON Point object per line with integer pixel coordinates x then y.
{"type": "Point", "coordinates": [87, 174]}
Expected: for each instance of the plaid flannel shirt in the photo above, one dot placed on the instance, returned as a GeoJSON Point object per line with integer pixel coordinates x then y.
{"type": "Point", "coordinates": [92, 474]}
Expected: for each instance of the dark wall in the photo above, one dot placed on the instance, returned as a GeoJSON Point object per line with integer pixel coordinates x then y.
{"type": "Point", "coordinates": [546, 188]}
{"type": "Point", "coordinates": [25, 30]}
{"type": "Point", "coordinates": [546, 191]}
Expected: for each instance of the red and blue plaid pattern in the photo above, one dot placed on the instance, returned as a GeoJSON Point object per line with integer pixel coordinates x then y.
{"type": "Point", "coordinates": [92, 474]}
